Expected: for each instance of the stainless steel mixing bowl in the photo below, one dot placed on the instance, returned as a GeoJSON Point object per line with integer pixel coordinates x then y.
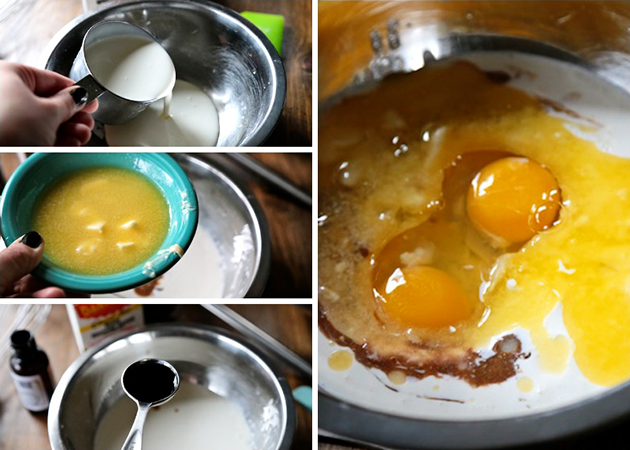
{"type": "Point", "coordinates": [358, 39]}
{"type": "Point", "coordinates": [206, 356]}
{"type": "Point", "coordinates": [231, 215]}
{"type": "Point", "coordinates": [212, 47]}
{"type": "Point", "coordinates": [361, 42]}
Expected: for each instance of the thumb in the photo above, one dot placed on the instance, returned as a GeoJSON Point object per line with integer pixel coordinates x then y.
{"type": "Point", "coordinates": [67, 102]}
{"type": "Point", "coordinates": [19, 259]}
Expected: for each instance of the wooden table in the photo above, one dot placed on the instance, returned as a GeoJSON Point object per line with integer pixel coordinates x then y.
{"type": "Point", "coordinates": [290, 223]}
{"type": "Point", "coordinates": [20, 430]}
{"type": "Point", "coordinates": [26, 26]}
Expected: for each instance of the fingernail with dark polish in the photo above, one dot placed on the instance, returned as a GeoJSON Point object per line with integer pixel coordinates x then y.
{"type": "Point", "coordinates": [33, 239]}
{"type": "Point", "coordinates": [80, 96]}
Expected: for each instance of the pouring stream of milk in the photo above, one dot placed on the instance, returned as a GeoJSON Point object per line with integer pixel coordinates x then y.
{"type": "Point", "coordinates": [167, 106]}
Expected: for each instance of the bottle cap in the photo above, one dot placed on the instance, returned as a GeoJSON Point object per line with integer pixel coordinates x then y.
{"type": "Point", "coordinates": [22, 340]}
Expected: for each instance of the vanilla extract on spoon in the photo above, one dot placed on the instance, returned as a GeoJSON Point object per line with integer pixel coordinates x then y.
{"type": "Point", "coordinates": [149, 383]}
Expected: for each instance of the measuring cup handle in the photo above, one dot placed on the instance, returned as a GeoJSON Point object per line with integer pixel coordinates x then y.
{"type": "Point", "coordinates": [92, 87]}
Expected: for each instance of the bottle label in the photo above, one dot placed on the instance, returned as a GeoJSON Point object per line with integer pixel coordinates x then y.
{"type": "Point", "coordinates": [31, 391]}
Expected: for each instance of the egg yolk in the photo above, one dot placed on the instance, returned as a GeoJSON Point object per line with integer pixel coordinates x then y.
{"type": "Point", "coordinates": [422, 297]}
{"type": "Point", "coordinates": [512, 199]}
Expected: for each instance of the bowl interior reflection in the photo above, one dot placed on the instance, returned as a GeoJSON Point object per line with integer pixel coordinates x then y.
{"type": "Point", "coordinates": [201, 356]}
{"type": "Point", "coordinates": [211, 47]}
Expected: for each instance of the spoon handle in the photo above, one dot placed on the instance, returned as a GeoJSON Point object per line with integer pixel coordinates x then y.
{"type": "Point", "coordinates": [134, 438]}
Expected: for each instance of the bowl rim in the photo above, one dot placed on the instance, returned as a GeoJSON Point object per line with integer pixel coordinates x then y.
{"type": "Point", "coordinates": [279, 77]}
{"type": "Point", "coordinates": [99, 284]}
{"type": "Point", "coordinates": [343, 420]}
{"type": "Point", "coordinates": [178, 329]}
{"type": "Point", "coordinates": [356, 424]}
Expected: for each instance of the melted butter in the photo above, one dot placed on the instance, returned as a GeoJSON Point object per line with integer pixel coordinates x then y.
{"type": "Point", "coordinates": [341, 360]}
{"type": "Point", "coordinates": [553, 351]}
{"type": "Point", "coordinates": [397, 377]}
{"type": "Point", "coordinates": [592, 238]}
{"type": "Point", "coordinates": [525, 384]}
{"type": "Point", "coordinates": [101, 220]}
{"type": "Point", "coordinates": [395, 158]}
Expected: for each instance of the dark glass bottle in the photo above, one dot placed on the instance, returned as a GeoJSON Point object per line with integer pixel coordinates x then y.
{"type": "Point", "coordinates": [30, 371]}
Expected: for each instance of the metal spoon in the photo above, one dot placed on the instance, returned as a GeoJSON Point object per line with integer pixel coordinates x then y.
{"type": "Point", "coordinates": [148, 382]}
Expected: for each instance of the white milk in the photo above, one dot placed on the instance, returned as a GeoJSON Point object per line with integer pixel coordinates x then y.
{"type": "Point", "coordinates": [166, 110]}
{"type": "Point", "coordinates": [189, 118]}
{"type": "Point", "coordinates": [198, 274]}
{"type": "Point", "coordinates": [195, 419]}
{"type": "Point", "coordinates": [132, 67]}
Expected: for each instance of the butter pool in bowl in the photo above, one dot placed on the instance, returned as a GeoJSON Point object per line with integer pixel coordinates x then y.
{"type": "Point", "coordinates": [110, 221]}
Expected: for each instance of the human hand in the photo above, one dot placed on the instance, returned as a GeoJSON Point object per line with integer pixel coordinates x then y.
{"type": "Point", "coordinates": [17, 262]}
{"type": "Point", "coordinates": [41, 107]}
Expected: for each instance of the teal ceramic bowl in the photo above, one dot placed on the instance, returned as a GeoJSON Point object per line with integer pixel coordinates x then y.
{"type": "Point", "coordinates": [37, 173]}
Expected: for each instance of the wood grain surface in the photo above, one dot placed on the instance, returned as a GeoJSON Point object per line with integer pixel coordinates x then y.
{"type": "Point", "coordinates": [290, 227]}
{"type": "Point", "coordinates": [26, 26]}
{"type": "Point", "coordinates": [20, 430]}
{"type": "Point", "coordinates": [290, 223]}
